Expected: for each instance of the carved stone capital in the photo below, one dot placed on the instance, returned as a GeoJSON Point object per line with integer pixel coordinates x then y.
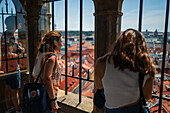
{"type": "Point", "coordinates": [108, 12]}
{"type": "Point", "coordinates": [115, 5]}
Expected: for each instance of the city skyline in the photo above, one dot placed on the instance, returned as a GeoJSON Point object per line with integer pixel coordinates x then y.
{"type": "Point", "coordinates": [153, 15]}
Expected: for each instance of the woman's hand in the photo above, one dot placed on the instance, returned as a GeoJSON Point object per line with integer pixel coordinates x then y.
{"type": "Point", "coordinates": [55, 89]}
{"type": "Point", "coordinates": [54, 106]}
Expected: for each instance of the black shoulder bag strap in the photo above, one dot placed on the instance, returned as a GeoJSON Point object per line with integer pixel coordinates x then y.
{"type": "Point", "coordinates": [142, 98]}
{"type": "Point", "coordinates": [43, 67]}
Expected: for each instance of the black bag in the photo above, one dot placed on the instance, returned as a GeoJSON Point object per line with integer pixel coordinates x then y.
{"type": "Point", "coordinates": [143, 107]}
{"type": "Point", "coordinates": [35, 98]}
{"type": "Point", "coordinates": [99, 98]}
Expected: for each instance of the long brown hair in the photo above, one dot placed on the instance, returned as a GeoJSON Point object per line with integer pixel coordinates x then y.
{"type": "Point", "coordinates": [47, 44]}
{"type": "Point", "coordinates": [131, 52]}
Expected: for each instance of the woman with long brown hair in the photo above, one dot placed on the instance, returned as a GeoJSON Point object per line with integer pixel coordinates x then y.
{"type": "Point", "coordinates": [50, 45]}
{"type": "Point", "coordinates": [117, 73]}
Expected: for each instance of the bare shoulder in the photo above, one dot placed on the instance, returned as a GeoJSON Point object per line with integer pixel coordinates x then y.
{"type": "Point", "coordinates": [102, 60]}
{"type": "Point", "coordinates": [100, 66]}
{"type": "Point", "coordinates": [51, 59]}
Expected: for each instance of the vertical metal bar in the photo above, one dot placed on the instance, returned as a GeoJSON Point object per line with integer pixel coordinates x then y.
{"type": "Point", "coordinates": [7, 6]}
{"type": "Point", "coordinates": [80, 61]}
{"type": "Point", "coordinates": [164, 53]}
{"type": "Point", "coordinates": [52, 4]}
{"type": "Point", "coordinates": [88, 77]}
{"type": "Point", "coordinates": [40, 14]}
{"type": "Point", "coordinates": [18, 54]}
{"type": "Point", "coordinates": [44, 19]}
{"type": "Point", "coordinates": [12, 11]}
{"type": "Point", "coordinates": [73, 70]}
{"type": "Point", "coordinates": [140, 15]}
{"type": "Point", "coordinates": [21, 10]}
{"type": "Point", "coordinates": [4, 33]}
{"type": "Point", "coordinates": [16, 21]}
{"type": "Point", "coordinates": [66, 46]}
{"type": "Point", "coordinates": [18, 32]}
{"type": "Point", "coordinates": [23, 55]}
{"type": "Point", "coordinates": [40, 25]}
{"type": "Point", "coordinates": [3, 21]}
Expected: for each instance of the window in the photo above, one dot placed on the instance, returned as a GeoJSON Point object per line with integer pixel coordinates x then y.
{"type": "Point", "coordinates": [12, 33]}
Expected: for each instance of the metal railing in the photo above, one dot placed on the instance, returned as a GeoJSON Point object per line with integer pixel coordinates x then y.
{"type": "Point", "coordinates": [164, 47]}
{"type": "Point", "coordinates": [164, 53]}
{"type": "Point", "coordinates": [80, 58]}
{"type": "Point", "coordinates": [76, 77]}
{"type": "Point", "coordinates": [66, 27]}
{"type": "Point", "coordinates": [164, 98]}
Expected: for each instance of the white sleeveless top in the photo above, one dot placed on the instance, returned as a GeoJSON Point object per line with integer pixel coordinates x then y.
{"type": "Point", "coordinates": [120, 88]}
{"type": "Point", "coordinates": [56, 75]}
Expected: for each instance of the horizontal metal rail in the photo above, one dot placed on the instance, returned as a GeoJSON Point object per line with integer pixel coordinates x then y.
{"type": "Point", "coordinates": [164, 98]}
{"type": "Point", "coordinates": [13, 58]}
{"type": "Point", "coordinates": [47, 1]}
{"type": "Point", "coordinates": [86, 79]}
{"type": "Point", "coordinates": [12, 13]}
{"type": "Point", "coordinates": [153, 95]}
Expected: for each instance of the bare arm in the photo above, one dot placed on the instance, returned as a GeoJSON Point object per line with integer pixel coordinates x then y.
{"type": "Point", "coordinates": [48, 69]}
{"type": "Point", "coordinates": [148, 87]}
{"type": "Point", "coordinates": [99, 74]}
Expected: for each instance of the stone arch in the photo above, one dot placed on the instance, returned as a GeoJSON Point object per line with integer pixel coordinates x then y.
{"type": "Point", "coordinates": [18, 5]}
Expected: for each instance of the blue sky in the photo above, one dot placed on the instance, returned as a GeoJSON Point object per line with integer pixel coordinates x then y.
{"type": "Point", "coordinates": [74, 15]}
{"type": "Point", "coordinates": [153, 14]}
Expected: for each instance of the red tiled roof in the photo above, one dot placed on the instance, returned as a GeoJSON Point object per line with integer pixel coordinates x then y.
{"type": "Point", "coordinates": [88, 90]}
{"type": "Point", "coordinates": [167, 92]}
{"type": "Point", "coordinates": [73, 48]}
{"type": "Point", "coordinates": [85, 44]}
{"type": "Point", "coordinates": [92, 53]}
{"type": "Point", "coordinates": [71, 84]}
{"type": "Point", "coordinates": [154, 109]}
{"type": "Point", "coordinates": [87, 85]}
{"type": "Point", "coordinates": [165, 106]}
{"type": "Point", "coordinates": [76, 71]}
{"type": "Point", "coordinates": [91, 47]}
{"type": "Point", "coordinates": [88, 93]}
{"type": "Point", "coordinates": [166, 83]}
{"type": "Point", "coordinates": [90, 58]}
{"type": "Point", "coordinates": [85, 67]}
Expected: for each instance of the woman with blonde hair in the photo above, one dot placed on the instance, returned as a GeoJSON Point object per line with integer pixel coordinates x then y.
{"type": "Point", "coordinates": [50, 76]}
{"type": "Point", "coordinates": [117, 73]}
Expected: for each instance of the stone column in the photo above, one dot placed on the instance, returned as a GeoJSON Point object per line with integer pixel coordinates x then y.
{"type": "Point", "coordinates": [107, 27]}
{"type": "Point", "coordinates": [107, 24]}
{"type": "Point", "coordinates": [32, 9]}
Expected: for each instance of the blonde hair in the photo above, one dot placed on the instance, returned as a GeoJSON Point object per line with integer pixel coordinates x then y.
{"type": "Point", "coordinates": [131, 52]}
{"type": "Point", "coordinates": [47, 44]}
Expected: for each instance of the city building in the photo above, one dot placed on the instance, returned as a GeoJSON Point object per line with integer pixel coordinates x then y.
{"type": "Point", "coordinates": [36, 17]}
